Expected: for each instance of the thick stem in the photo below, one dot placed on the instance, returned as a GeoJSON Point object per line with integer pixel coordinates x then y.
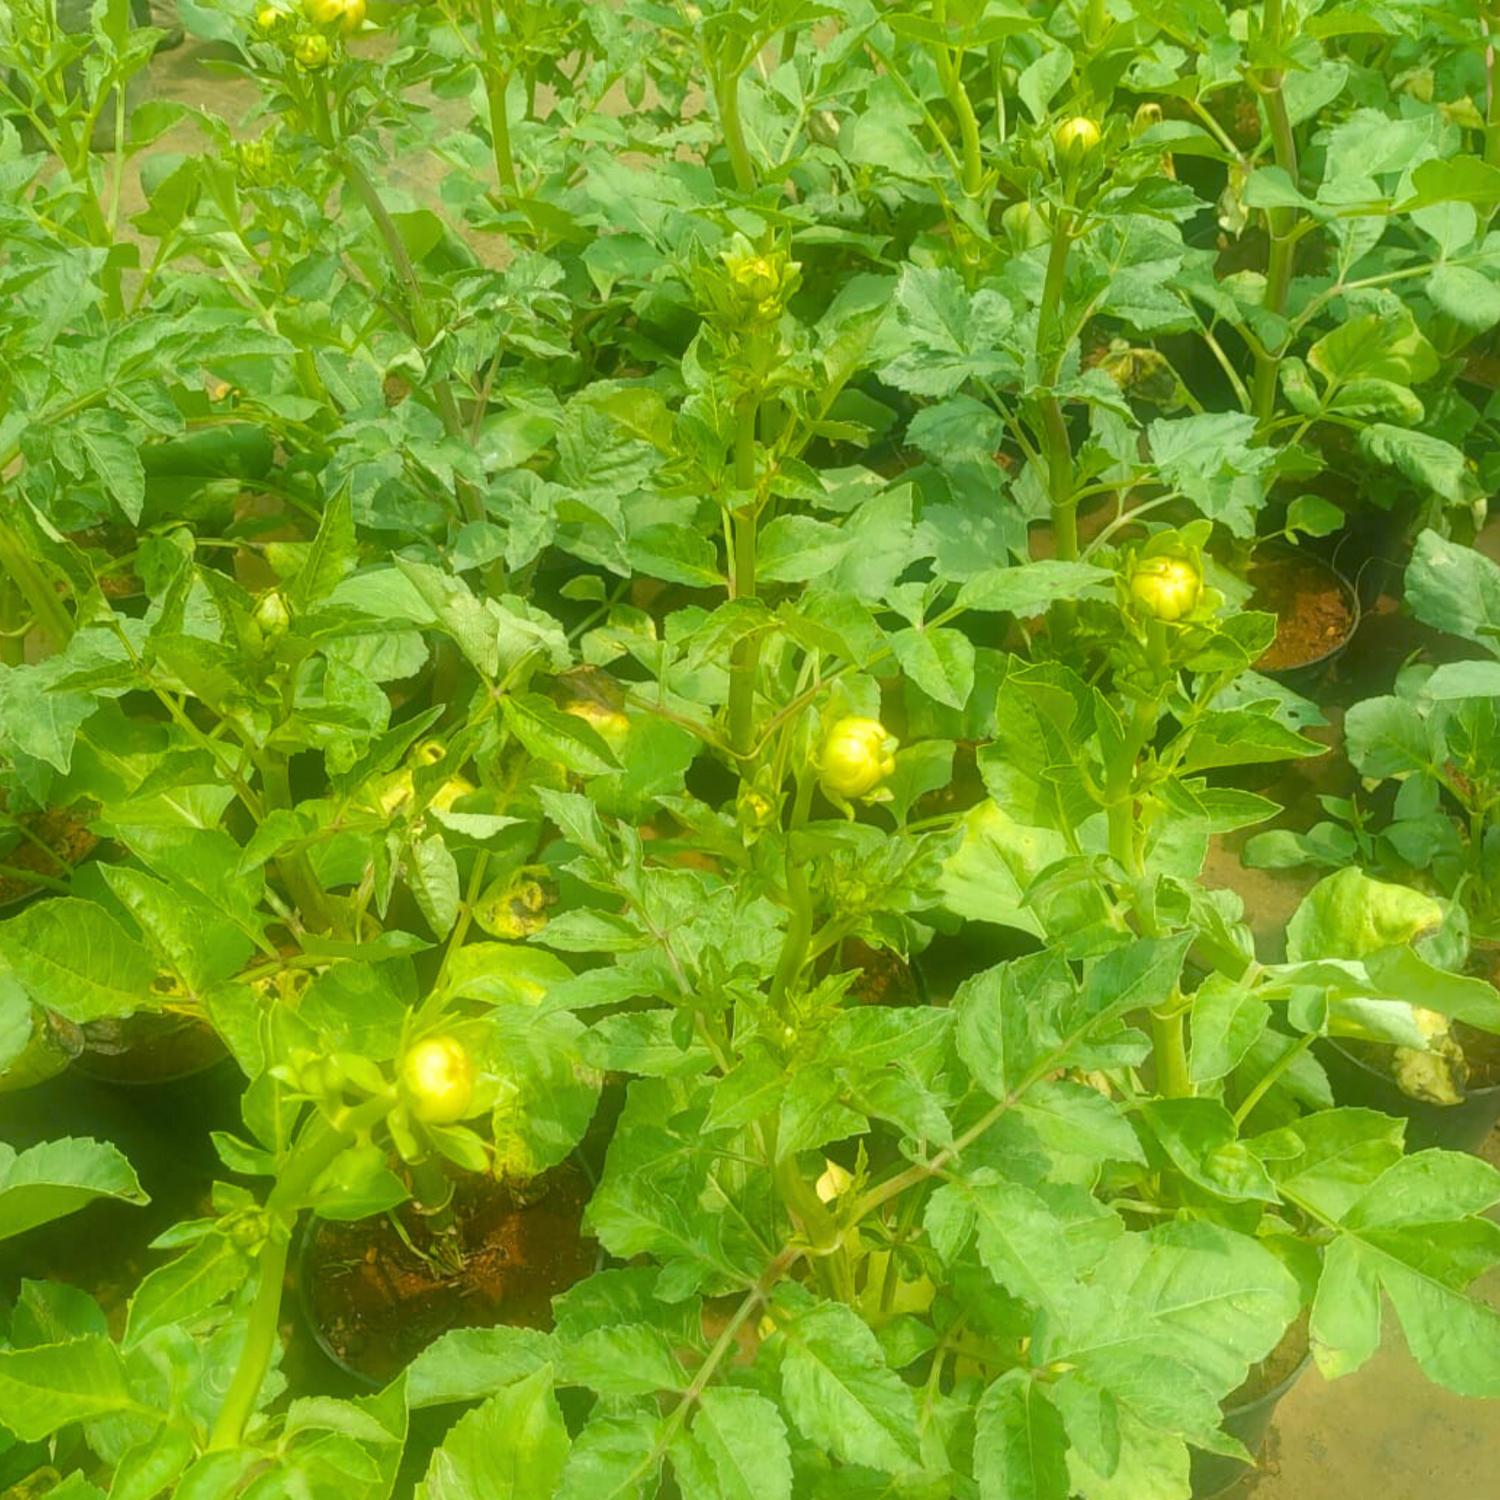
{"type": "Point", "coordinates": [496, 86]}
{"type": "Point", "coordinates": [726, 88]}
{"type": "Point", "coordinates": [948, 66]}
{"type": "Point", "coordinates": [1281, 224]}
{"type": "Point", "coordinates": [1169, 1050]}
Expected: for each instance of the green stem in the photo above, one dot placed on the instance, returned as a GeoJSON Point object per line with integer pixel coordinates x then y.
{"type": "Point", "coordinates": [1281, 223]}
{"type": "Point", "coordinates": [798, 935]}
{"type": "Point", "coordinates": [317, 1146]}
{"type": "Point", "coordinates": [1056, 448]}
{"type": "Point", "coordinates": [295, 869]}
{"type": "Point", "coordinates": [745, 658]}
{"type": "Point", "coordinates": [1262, 1088]}
{"type": "Point", "coordinates": [726, 90]}
{"type": "Point", "coordinates": [496, 87]}
{"type": "Point", "coordinates": [20, 567]}
{"type": "Point", "coordinates": [1169, 1049]}
{"type": "Point", "coordinates": [948, 66]}
{"type": "Point", "coordinates": [1492, 91]}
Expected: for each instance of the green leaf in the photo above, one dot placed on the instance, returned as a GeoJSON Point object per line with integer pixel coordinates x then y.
{"type": "Point", "coordinates": [503, 973]}
{"type": "Point", "coordinates": [1463, 179]}
{"type": "Point", "coordinates": [677, 553]}
{"type": "Point", "coordinates": [71, 956]}
{"type": "Point", "coordinates": [1454, 588]}
{"type": "Point", "coordinates": [841, 1395]}
{"type": "Point", "coordinates": [1467, 296]}
{"type": "Point", "coordinates": [1030, 588]}
{"type": "Point", "coordinates": [1390, 737]}
{"type": "Point", "coordinates": [200, 943]}
{"type": "Point", "coordinates": [1427, 460]}
{"type": "Point", "coordinates": [38, 719]}
{"type": "Point", "coordinates": [331, 555]}
{"type": "Point", "coordinates": [1200, 1139]}
{"type": "Point", "coordinates": [185, 1288]}
{"type": "Point", "coordinates": [511, 1448]}
{"type": "Point", "coordinates": [1031, 1250]}
{"type": "Point", "coordinates": [1375, 346]}
{"type": "Point", "coordinates": [468, 1363]}
{"type": "Point", "coordinates": [1020, 1447]}
{"type": "Point", "coordinates": [1037, 85]}
{"type": "Point", "coordinates": [628, 1359]}
{"type": "Point", "coordinates": [1329, 1160]}
{"type": "Point", "coordinates": [432, 874]}
{"type": "Point", "coordinates": [794, 549]}
{"type": "Point", "coordinates": [44, 1389]}
{"type": "Point", "coordinates": [940, 662]}
{"type": "Point", "coordinates": [743, 1437]}
{"type": "Point", "coordinates": [945, 336]}
{"type": "Point", "coordinates": [1213, 457]}
{"type": "Point", "coordinates": [550, 734]}
{"type": "Point", "coordinates": [58, 1177]}
{"type": "Point", "coordinates": [152, 1466]}
{"type": "Point", "coordinates": [615, 1458]}
{"type": "Point", "coordinates": [1345, 1323]}
{"type": "Point", "coordinates": [1241, 737]}
{"type": "Point", "coordinates": [1415, 1232]}
{"type": "Point", "coordinates": [1228, 1019]}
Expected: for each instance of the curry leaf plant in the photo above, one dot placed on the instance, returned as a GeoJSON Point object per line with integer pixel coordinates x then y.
{"type": "Point", "coordinates": [692, 635]}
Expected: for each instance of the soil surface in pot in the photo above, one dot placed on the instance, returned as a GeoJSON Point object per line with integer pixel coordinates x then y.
{"type": "Point", "coordinates": [378, 1301]}
{"type": "Point", "coordinates": [1313, 611]}
{"type": "Point", "coordinates": [60, 829]}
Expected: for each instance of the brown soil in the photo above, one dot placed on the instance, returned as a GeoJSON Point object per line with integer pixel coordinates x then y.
{"type": "Point", "coordinates": [377, 1304]}
{"type": "Point", "coordinates": [60, 829]}
{"type": "Point", "coordinates": [1279, 1366]}
{"type": "Point", "coordinates": [1482, 1053]}
{"type": "Point", "coordinates": [1313, 610]}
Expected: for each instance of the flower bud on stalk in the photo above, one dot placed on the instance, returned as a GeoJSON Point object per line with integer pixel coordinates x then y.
{"type": "Point", "coordinates": [311, 51]}
{"type": "Point", "coordinates": [1074, 140]}
{"type": "Point", "coordinates": [760, 285]}
{"type": "Point", "coordinates": [856, 756]}
{"type": "Point", "coordinates": [1166, 588]}
{"type": "Point", "coordinates": [437, 1080]}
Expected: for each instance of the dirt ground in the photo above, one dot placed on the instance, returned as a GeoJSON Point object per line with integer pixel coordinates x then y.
{"type": "Point", "coordinates": [1383, 1434]}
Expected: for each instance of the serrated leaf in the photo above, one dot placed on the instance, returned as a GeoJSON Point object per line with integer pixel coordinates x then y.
{"type": "Point", "coordinates": [58, 1177]}
{"type": "Point", "coordinates": [511, 1448]}
{"type": "Point", "coordinates": [1020, 1447]}
{"type": "Point", "coordinates": [840, 1393]}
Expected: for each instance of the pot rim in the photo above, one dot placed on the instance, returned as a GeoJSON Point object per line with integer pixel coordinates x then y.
{"type": "Point", "coordinates": [1489, 1091]}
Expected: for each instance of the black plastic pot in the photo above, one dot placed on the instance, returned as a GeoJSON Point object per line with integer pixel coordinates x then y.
{"type": "Point", "coordinates": [1306, 677]}
{"type": "Point", "coordinates": [1454, 1127]}
{"type": "Point", "coordinates": [147, 1049]}
{"type": "Point", "coordinates": [351, 1343]}
{"type": "Point", "coordinates": [1212, 1473]}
